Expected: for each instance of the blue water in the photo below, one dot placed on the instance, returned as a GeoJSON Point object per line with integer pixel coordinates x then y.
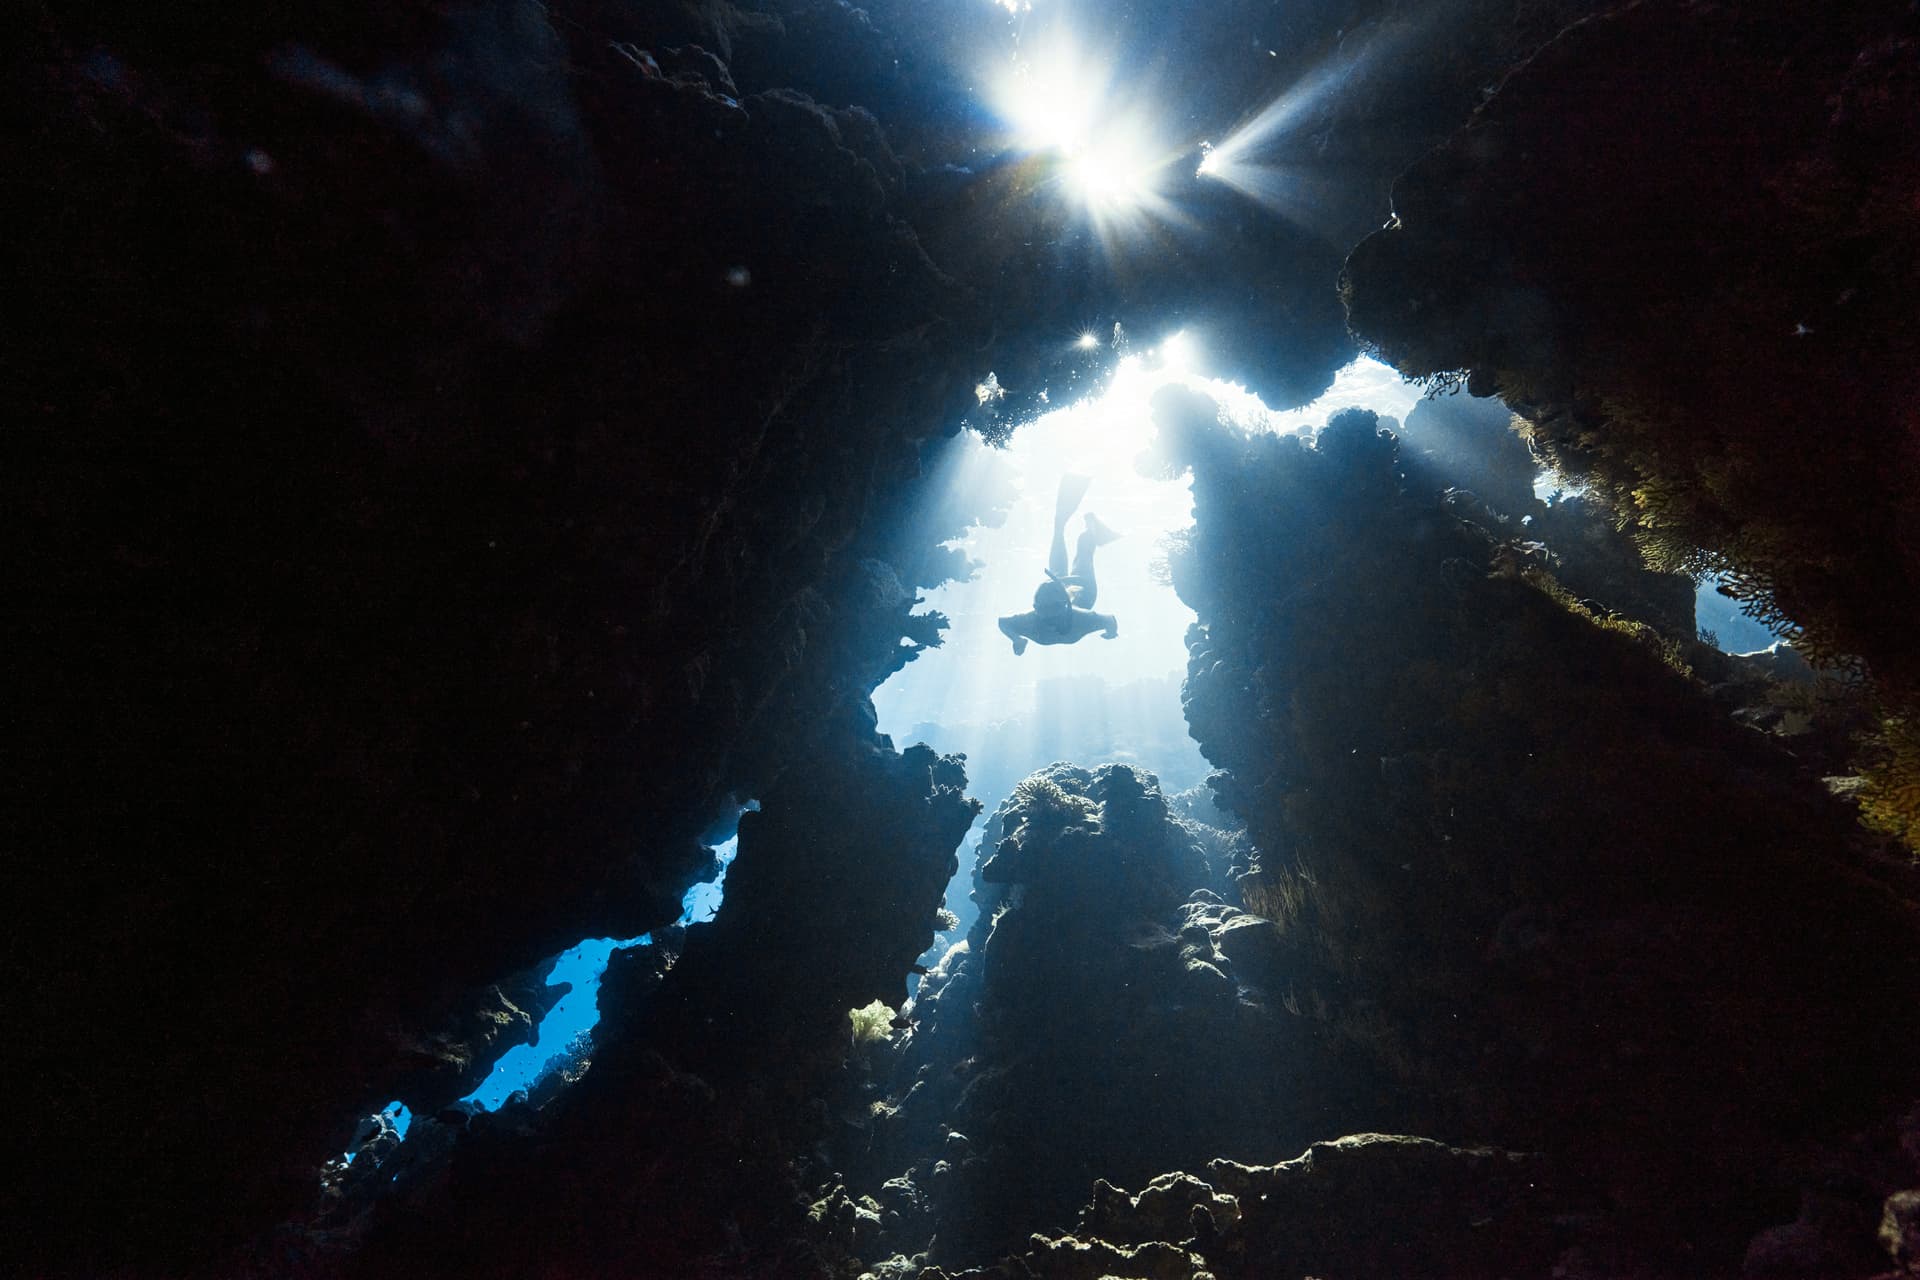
{"type": "Point", "coordinates": [1736, 632]}
{"type": "Point", "coordinates": [578, 1012]}
{"type": "Point", "coordinates": [397, 1114]}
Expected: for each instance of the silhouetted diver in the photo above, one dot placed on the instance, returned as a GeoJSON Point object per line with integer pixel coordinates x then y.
{"type": "Point", "coordinates": [1062, 610]}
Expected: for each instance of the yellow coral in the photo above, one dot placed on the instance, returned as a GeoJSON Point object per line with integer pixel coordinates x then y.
{"type": "Point", "coordinates": [872, 1023]}
{"type": "Point", "coordinates": [1890, 800]}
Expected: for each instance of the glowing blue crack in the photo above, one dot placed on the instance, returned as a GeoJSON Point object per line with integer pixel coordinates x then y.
{"type": "Point", "coordinates": [560, 1033]}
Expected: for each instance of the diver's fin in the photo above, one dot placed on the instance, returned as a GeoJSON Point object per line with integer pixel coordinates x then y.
{"type": "Point", "coordinates": [1073, 487]}
{"type": "Point", "coordinates": [1102, 532]}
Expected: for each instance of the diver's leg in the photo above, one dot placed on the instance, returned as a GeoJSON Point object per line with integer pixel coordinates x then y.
{"type": "Point", "coordinates": [1093, 537]}
{"type": "Point", "coordinates": [1085, 589]}
{"type": "Point", "coordinates": [1065, 502]}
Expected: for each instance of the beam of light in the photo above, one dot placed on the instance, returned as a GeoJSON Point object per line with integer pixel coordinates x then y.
{"type": "Point", "coordinates": [1248, 160]}
{"type": "Point", "coordinates": [1100, 699]}
{"type": "Point", "coordinates": [1305, 196]}
{"type": "Point", "coordinates": [1272, 124]}
{"type": "Point", "coordinates": [974, 676]}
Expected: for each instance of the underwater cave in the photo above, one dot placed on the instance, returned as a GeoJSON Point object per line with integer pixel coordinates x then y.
{"type": "Point", "coordinates": [963, 640]}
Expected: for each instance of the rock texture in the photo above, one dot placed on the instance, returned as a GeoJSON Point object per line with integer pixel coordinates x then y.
{"type": "Point", "coordinates": [457, 451]}
{"type": "Point", "coordinates": [1110, 1015]}
{"type": "Point", "coordinates": [702, 1089]}
{"type": "Point", "coordinates": [453, 452]}
{"type": "Point", "coordinates": [1679, 292]}
{"type": "Point", "coordinates": [1519, 857]}
{"type": "Point", "coordinates": [1364, 1205]}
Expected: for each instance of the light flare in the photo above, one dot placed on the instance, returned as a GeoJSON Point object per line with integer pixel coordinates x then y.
{"type": "Point", "coordinates": [1118, 174]}
{"type": "Point", "coordinates": [1060, 102]}
{"type": "Point", "coordinates": [1178, 353]}
{"type": "Point", "coordinates": [1052, 99]}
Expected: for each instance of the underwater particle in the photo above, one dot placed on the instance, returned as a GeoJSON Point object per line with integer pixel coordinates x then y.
{"type": "Point", "coordinates": [259, 161]}
{"type": "Point", "coordinates": [739, 277]}
{"type": "Point", "coordinates": [989, 391]}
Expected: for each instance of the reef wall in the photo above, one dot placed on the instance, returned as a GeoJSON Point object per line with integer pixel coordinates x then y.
{"type": "Point", "coordinates": [1107, 1016]}
{"type": "Point", "coordinates": [455, 451]}
{"type": "Point", "coordinates": [1514, 878]}
{"type": "Point", "coordinates": [1702, 308]}
{"type": "Point", "coordinates": [1523, 860]}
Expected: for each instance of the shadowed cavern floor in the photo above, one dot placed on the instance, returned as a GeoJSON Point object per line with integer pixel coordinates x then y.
{"type": "Point", "coordinates": [455, 453]}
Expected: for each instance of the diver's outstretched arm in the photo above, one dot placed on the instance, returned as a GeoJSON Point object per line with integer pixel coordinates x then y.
{"type": "Point", "coordinates": [1010, 627]}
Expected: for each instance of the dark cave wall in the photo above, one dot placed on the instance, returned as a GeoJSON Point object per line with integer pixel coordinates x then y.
{"type": "Point", "coordinates": [675, 1153]}
{"type": "Point", "coordinates": [1681, 241]}
{"type": "Point", "coordinates": [440, 436]}
{"type": "Point", "coordinates": [422, 539]}
{"type": "Point", "coordinates": [1522, 859]}
{"type": "Point", "coordinates": [455, 451]}
{"type": "Point", "coordinates": [1107, 1016]}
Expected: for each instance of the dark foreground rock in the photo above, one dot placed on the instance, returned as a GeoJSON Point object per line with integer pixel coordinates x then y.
{"type": "Point", "coordinates": [1111, 1015]}
{"type": "Point", "coordinates": [683, 1145]}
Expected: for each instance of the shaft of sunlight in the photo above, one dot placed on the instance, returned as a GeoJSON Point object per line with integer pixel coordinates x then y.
{"type": "Point", "coordinates": [1272, 155]}
{"type": "Point", "coordinates": [1098, 700]}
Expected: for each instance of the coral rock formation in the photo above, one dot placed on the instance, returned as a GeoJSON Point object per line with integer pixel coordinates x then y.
{"type": "Point", "coordinates": [1519, 856]}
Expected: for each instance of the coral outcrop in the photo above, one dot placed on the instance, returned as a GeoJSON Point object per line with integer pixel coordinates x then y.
{"type": "Point", "coordinates": [454, 452]}
{"type": "Point", "coordinates": [1519, 856]}
{"type": "Point", "coordinates": [1110, 1015]}
{"type": "Point", "coordinates": [1680, 293]}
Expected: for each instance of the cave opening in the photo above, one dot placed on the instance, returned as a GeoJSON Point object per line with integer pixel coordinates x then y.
{"type": "Point", "coordinates": [563, 1037]}
{"type": "Point", "coordinates": [458, 451]}
{"type": "Point", "coordinates": [1102, 700]}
